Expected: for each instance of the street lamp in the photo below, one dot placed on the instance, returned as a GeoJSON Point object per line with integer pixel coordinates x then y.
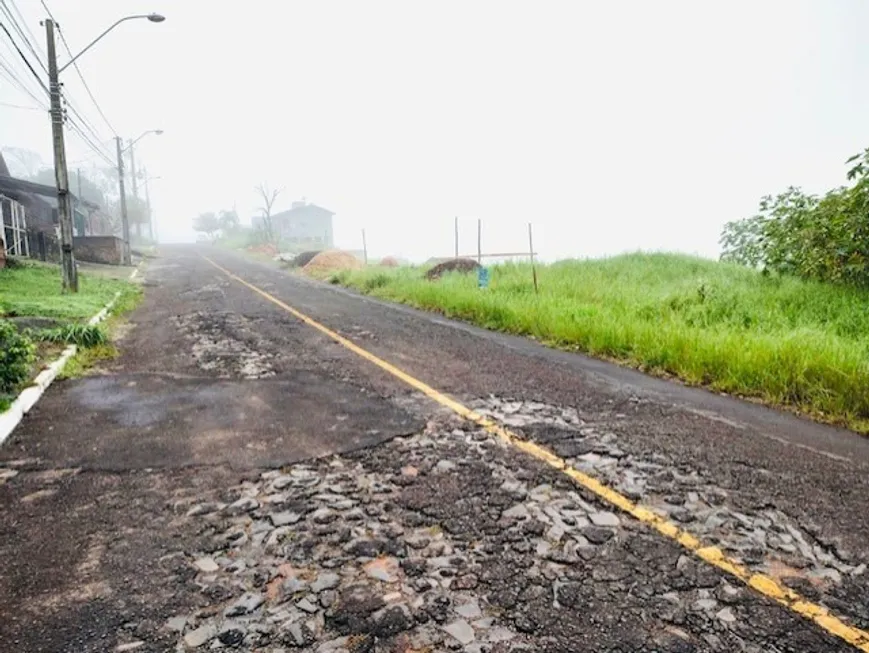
{"type": "Point", "coordinates": [125, 222]}
{"type": "Point", "coordinates": [156, 132]}
{"type": "Point", "coordinates": [154, 18]}
{"type": "Point", "coordinates": [61, 175]}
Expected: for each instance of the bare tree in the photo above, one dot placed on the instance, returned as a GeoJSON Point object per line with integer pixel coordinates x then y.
{"type": "Point", "coordinates": [268, 197]}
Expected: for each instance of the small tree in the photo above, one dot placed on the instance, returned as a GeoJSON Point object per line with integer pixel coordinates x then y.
{"type": "Point", "coordinates": [825, 238]}
{"type": "Point", "coordinates": [268, 198]}
{"type": "Point", "coordinates": [228, 220]}
{"type": "Point", "coordinates": [207, 223]}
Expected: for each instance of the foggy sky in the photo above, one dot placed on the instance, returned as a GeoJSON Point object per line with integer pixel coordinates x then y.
{"type": "Point", "coordinates": [611, 126]}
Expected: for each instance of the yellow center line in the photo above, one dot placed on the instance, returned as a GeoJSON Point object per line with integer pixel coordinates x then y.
{"type": "Point", "coordinates": [765, 585]}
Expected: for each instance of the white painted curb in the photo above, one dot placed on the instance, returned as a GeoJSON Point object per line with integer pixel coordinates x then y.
{"type": "Point", "coordinates": [12, 416]}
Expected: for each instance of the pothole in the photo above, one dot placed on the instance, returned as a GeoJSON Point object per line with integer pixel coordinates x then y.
{"type": "Point", "coordinates": [766, 540]}
{"type": "Point", "coordinates": [217, 347]}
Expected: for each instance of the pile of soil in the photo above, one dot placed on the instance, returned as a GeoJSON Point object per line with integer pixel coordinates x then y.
{"type": "Point", "coordinates": [461, 265]}
{"type": "Point", "coordinates": [390, 262]}
{"type": "Point", "coordinates": [304, 258]}
{"type": "Point", "coordinates": [333, 259]}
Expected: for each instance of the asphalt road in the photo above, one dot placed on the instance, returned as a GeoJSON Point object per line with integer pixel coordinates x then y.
{"type": "Point", "coordinates": [238, 480]}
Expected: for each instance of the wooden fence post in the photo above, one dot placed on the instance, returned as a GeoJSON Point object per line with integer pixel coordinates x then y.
{"type": "Point", "coordinates": [533, 267]}
{"type": "Point", "coordinates": [479, 241]}
{"type": "Point", "coordinates": [457, 236]}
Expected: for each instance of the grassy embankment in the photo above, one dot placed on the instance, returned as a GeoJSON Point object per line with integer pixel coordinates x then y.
{"type": "Point", "coordinates": [33, 290]}
{"type": "Point", "coordinates": [781, 340]}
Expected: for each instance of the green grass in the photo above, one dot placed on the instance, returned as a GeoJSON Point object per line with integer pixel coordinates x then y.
{"type": "Point", "coordinates": [784, 341]}
{"type": "Point", "coordinates": [86, 359]}
{"type": "Point", "coordinates": [34, 289]}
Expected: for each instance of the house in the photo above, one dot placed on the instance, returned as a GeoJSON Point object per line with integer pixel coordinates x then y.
{"type": "Point", "coordinates": [40, 204]}
{"type": "Point", "coordinates": [29, 220]}
{"type": "Point", "coordinates": [305, 225]}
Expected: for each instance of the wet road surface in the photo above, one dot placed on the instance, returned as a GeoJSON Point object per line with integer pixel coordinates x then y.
{"type": "Point", "coordinates": [237, 480]}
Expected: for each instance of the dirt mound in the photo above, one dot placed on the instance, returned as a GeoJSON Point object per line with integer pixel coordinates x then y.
{"type": "Point", "coordinates": [304, 258]}
{"type": "Point", "coordinates": [332, 259]}
{"type": "Point", "coordinates": [390, 262]}
{"type": "Point", "coordinates": [462, 265]}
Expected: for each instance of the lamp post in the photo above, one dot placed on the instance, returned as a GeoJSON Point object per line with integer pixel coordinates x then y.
{"type": "Point", "coordinates": [125, 222]}
{"type": "Point", "coordinates": [61, 175]}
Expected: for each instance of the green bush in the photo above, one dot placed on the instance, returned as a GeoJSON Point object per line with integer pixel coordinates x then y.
{"type": "Point", "coordinates": [818, 238]}
{"type": "Point", "coordinates": [83, 335]}
{"type": "Point", "coordinates": [17, 352]}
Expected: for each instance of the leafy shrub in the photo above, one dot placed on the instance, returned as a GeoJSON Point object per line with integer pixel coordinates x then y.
{"type": "Point", "coordinates": [820, 238]}
{"type": "Point", "coordinates": [17, 352]}
{"type": "Point", "coordinates": [83, 335]}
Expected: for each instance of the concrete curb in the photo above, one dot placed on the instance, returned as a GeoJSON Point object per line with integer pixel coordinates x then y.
{"type": "Point", "coordinates": [27, 398]}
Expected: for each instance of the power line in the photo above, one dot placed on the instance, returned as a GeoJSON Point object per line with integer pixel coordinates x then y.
{"type": "Point", "coordinates": [73, 115]}
{"type": "Point", "coordinates": [76, 129]}
{"type": "Point", "coordinates": [20, 26]}
{"type": "Point", "coordinates": [23, 58]}
{"type": "Point", "coordinates": [78, 70]}
{"type": "Point", "coordinates": [72, 110]}
{"type": "Point", "coordinates": [18, 106]}
{"type": "Point", "coordinates": [78, 124]}
{"type": "Point", "coordinates": [39, 53]}
{"type": "Point", "coordinates": [14, 79]}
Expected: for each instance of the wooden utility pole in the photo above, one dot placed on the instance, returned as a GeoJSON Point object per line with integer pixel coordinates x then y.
{"type": "Point", "coordinates": [133, 169]}
{"type": "Point", "coordinates": [125, 223]}
{"type": "Point", "coordinates": [479, 241]}
{"type": "Point", "coordinates": [364, 247]}
{"type": "Point", "coordinates": [135, 181]}
{"type": "Point", "coordinates": [61, 175]}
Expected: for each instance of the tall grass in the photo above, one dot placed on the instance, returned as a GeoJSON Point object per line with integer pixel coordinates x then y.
{"type": "Point", "coordinates": [785, 341]}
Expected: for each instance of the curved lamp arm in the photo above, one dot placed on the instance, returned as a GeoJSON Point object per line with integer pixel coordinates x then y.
{"type": "Point", "coordinates": [154, 18]}
{"type": "Point", "coordinates": [141, 136]}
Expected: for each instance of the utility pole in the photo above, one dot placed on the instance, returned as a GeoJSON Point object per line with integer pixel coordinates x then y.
{"type": "Point", "coordinates": [80, 200]}
{"type": "Point", "coordinates": [135, 187]}
{"type": "Point", "coordinates": [125, 224]}
{"type": "Point", "coordinates": [61, 175]}
{"type": "Point", "coordinates": [148, 208]}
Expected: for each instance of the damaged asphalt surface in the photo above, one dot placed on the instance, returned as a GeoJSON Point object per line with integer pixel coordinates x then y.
{"type": "Point", "coordinates": [237, 481]}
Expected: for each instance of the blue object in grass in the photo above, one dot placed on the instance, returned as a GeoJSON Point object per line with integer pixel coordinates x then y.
{"type": "Point", "coordinates": [483, 277]}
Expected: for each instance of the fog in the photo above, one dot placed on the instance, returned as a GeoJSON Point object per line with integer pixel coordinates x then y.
{"type": "Point", "coordinates": [610, 126]}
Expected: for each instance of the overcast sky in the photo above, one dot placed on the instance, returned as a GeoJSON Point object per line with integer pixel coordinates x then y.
{"type": "Point", "coordinates": [611, 126]}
